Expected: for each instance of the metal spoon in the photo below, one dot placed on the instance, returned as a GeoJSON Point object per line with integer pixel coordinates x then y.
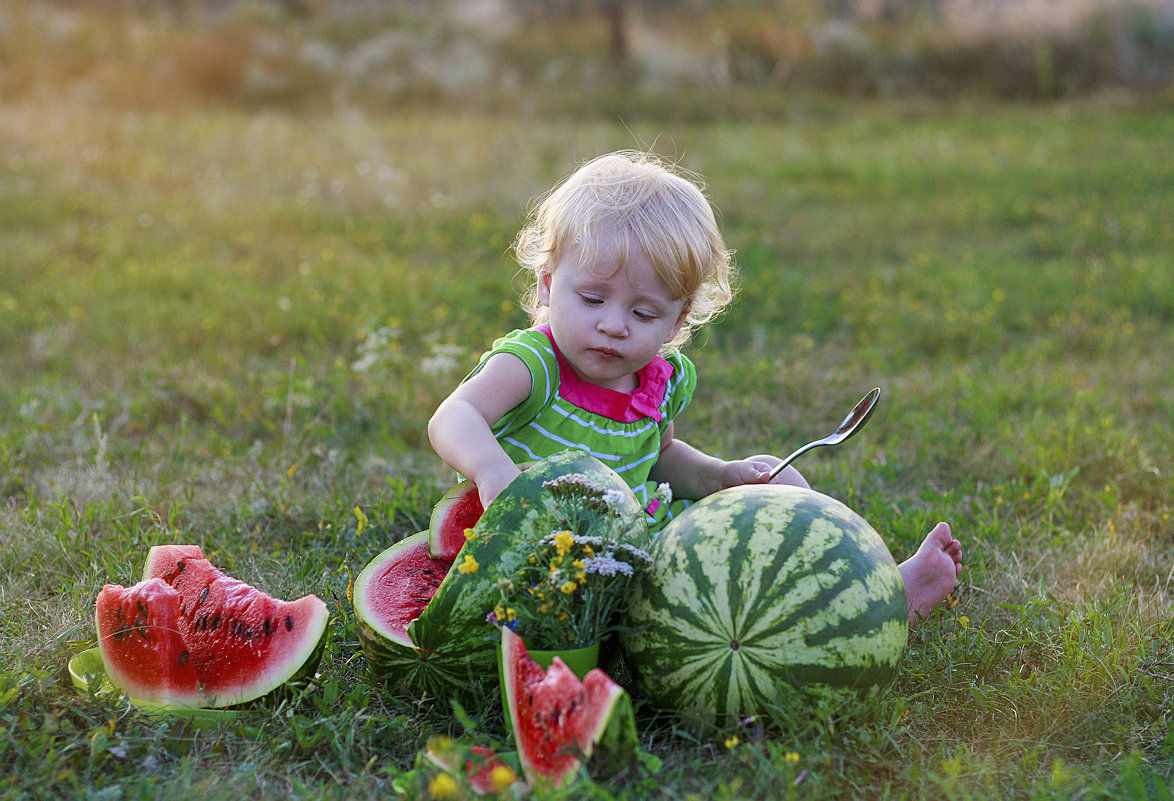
{"type": "Point", "coordinates": [852, 423]}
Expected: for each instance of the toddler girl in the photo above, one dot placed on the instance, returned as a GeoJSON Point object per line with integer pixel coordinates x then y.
{"type": "Point", "coordinates": [627, 261]}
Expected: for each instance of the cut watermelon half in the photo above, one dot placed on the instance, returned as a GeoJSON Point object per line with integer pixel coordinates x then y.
{"type": "Point", "coordinates": [559, 721]}
{"type": "Point", "coordinates": [393, 589]}
{"type": "Point", "coordinates": [188, 635]}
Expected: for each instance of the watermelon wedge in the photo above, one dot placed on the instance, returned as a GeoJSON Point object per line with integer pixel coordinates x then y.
{"type": "Point", "coordinates": [559, 721]}
{"type": "Point", "coordinates": [188, 635]}
{"type": "Point", "coordinates": [138, 627]}
{"type": "Point", "coordinates": [458, 510]}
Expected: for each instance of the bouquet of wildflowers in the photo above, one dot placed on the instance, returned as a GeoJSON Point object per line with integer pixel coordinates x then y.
{"type": "Point", "coordinates": [569, 591]}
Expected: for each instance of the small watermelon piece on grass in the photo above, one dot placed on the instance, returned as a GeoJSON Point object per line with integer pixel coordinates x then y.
{"type": "Point", "coordinates": [758, 587]}
{"type": "Point", "coordinates": [188, 635]}
{"type": "Point", "coordinates": [484, 771]}
{"type": "Point", "coordinates": [559, 721]}
{"type": "Point", "coordinates": [421, 624]}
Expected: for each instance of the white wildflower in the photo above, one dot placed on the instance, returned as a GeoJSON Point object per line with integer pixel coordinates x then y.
{"type": "Point", "coordinates": [374, 348]}
{"type": "Point", "coordinates": [574, 481]}
{"type": "Point", "coordinates": [665, 492]}
{"type": "Point", "coordinates": [632, 550]}
{"type": "Point", "coordinates": [613, 497]}
{"type": "Point", "coordinates": [442, 360]}
{"type": "Point", "coordinates": [606, 565]}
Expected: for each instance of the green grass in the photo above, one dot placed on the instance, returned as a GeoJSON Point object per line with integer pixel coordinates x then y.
{"type": "Point", "coordinates": [230, 328]}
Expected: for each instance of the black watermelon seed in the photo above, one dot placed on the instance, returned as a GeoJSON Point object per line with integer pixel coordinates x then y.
{"type": "Point", "coordinates": [203, 596]}
{"type": "Point", "coordinates": [266, 627]}
{"type": "Point", "coordinates": [215, 621]}
{"type": "Point", "coordinates": [288, 623]}
{"type": "Point", "coordinates": [184, 657]}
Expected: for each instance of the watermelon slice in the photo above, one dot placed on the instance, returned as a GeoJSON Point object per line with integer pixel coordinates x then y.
{"type": "Point", "coordinates": [559, 721]}
{"type": "Point", "coordinates": [188, 635]}
{"type": "Point", "coordinates": [139, 627]}
{"type": "Point", "coordinates": [459, 509]}
{"type": "Point", "coordinates": [485, 771]}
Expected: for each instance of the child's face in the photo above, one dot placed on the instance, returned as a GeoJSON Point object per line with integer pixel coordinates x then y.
{"type": "Point", "coordinates": [608, 319]}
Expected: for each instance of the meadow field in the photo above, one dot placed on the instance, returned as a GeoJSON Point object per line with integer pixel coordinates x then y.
{"type": "Point", "coordinates": [228, 326]}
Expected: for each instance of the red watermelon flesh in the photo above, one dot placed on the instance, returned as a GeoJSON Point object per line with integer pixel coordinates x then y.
{"type": "Point", "coordinates": [458, 510]}
{"type": "Point", "coordinates": [238, 642]}
{"type": "Point", "coordinates": [138, 634]}
{"type": "Point", "coordinates": [401, 584]}
{"type": "Point", "coordinates": [557, 719]}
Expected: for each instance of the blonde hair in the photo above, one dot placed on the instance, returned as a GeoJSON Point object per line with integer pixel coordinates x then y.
{"type": "Point", "coordinates": [664, 212]}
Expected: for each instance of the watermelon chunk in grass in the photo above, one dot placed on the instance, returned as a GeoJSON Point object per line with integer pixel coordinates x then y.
{"type": "Point", "coordinates": [188, 636]}
{"type": "Point", "coordinates": [559, 722]}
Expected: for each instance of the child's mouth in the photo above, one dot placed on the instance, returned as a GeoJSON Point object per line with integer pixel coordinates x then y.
{"type": "Point", "coordinates": [606, 353]}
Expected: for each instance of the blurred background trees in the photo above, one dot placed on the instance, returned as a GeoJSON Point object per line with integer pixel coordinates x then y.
{"type": "Point", "coordinates": [693, 57]}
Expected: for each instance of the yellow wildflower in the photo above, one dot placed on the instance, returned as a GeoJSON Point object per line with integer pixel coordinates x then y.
{"type": "Point", "coordinates": [511, 614]}
{"type": "Point", "coordinates": [443, 787]}
{"type": "Point", "coordinates": [791, 757]}
{"type": "Point", "coordinates": [568, 587]}
{"type": "Point", "coordinates": [363, 521]}
{"type": "Point", "coordinates": [731, 742]}
{"type": "Point", "coordinates": [502, 777]}
{"type": "Point", "coordinates": [469, 565]}
{"type": "Point", "coordinates": [469, 534]}
{"type": "Point", "coordinates": [563, 542]}
{"type": "Point", "coordinates": [964, 621]}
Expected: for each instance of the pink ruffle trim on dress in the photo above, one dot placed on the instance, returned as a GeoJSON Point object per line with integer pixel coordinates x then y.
{"type": "Point", "coordinates": [623, 407]}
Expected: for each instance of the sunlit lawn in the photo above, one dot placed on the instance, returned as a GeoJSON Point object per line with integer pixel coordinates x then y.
{"type": "Point", "coordinates": [229, 328]}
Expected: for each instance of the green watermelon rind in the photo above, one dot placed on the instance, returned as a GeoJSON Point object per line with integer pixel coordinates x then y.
{"type": "Point", "coordinates": [847, 635]}
{"type": "Point", "coordinates": [502, 540]}
{"type": "Point", "coordinates": [452, 648]}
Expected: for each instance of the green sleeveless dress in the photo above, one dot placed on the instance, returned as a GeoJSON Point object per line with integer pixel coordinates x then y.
{"type": "Point", "coordinates": [622, 430]}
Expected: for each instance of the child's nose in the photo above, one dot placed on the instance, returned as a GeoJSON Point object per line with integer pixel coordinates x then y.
{"type": "Point", "coordinates": [612, 324]}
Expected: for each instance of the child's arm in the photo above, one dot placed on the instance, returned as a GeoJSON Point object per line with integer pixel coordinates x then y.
{"type": "Point", "coordinates": [694, 474]}
{"type": "Point", "coordinates": [460, 428]}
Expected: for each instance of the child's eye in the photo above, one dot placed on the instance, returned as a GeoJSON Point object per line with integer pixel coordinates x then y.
{"type": "Point", "coordinates": [591, 300]}
{"type": "Point", "coordinates": [644, 316]}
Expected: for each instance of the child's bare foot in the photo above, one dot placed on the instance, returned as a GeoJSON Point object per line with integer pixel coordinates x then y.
{"type": "Point", "coordinates": [931, 573]}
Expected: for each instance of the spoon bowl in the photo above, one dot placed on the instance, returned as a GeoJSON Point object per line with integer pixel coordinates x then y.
{"type": "Point", "coordinates": [852, 423]}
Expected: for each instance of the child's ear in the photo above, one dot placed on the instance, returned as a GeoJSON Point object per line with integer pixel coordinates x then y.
{"type": "Point", "coordinates": [543, 287]}
{"type": "Point", "coordinates": [680, 321]}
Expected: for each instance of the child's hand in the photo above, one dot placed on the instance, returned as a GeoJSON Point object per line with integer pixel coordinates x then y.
{"type": "Point", "coordinates": [491, 485]}
{"type": "Point", "coordinates": [756, 470]}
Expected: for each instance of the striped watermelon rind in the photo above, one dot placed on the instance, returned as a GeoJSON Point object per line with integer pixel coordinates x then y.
{"type": "Point", "coordinates": [449, 648]}
{"type": "Point", "coordinates": [761, 585]}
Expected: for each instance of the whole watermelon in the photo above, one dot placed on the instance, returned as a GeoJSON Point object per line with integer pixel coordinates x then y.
{"type": "Point", "coordinates": [759, 585]}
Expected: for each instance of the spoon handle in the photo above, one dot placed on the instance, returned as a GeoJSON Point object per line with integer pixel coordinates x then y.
{"type": "Point", "coordinates": [778, 468]}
